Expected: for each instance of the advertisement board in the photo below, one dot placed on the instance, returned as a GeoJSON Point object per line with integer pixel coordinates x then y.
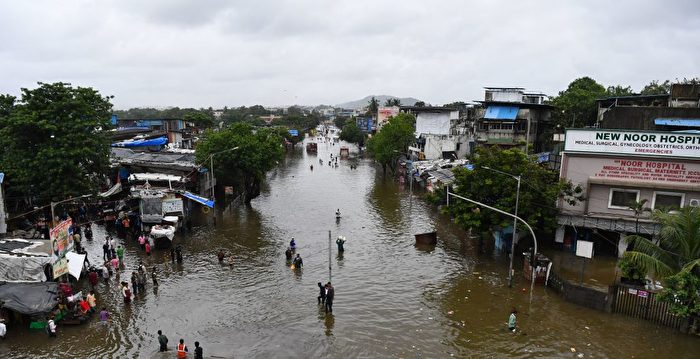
{"type": "Point", "coordinates": [172, 206]}
{"type": "Point", "coordinates": [660, 144]}
{"type": "Point", "coordinates": [61, 240]}
{"type": "Point", "coordinates": [383, 114]}
{"type": "Point", "coordinates": [60, 267]}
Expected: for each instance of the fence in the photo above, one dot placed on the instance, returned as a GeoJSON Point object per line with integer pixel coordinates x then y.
{"type": "Point", "coordinates": [622, 299]}
{"type": "Point", "coordinates": [642, 304]}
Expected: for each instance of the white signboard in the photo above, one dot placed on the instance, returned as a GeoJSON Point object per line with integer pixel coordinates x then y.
{"type": "Point", "coordinates": [584, 249]}
{"type": "Point", "coordinates": [663, 144]}
{"type": "Point", "coordinates": [172, 206]}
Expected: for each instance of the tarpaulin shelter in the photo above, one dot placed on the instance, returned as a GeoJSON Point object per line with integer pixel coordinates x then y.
{"type": "Point", "coordinates": [201, 200]}
{"type": "Point", "coordinates": [29, 298]}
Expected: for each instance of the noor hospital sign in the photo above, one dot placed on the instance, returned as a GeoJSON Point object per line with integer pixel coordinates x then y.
{"type": "Point", "coordinates": [661, 144]}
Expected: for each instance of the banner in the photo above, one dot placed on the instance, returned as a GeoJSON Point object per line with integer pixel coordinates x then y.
{"type": "Point", "coordinates": [61, 240]}
{"type": "Point", "coordinates": [660, 144]}
{"type": "Point", "coordinates": [172, 206]}
{"type": "Point", "coordinates": [60, 267]}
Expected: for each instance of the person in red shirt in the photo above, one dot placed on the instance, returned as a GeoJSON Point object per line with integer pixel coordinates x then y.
{"type": "Point", "coordinates": [84, 306]}
{"type": "Point", "coordinates": [148, 249]}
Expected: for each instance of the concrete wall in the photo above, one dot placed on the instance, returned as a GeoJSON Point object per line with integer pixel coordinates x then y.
{"type": "Point", "coordinates": [597, 174]}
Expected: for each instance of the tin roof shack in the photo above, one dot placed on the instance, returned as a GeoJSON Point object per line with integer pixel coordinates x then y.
{"type": "Point", "coordinates": [618, 168]}
{"type": "Point", "coordinates": [177, 163]}
{"type": "Point", "coordinates": [440, 132]}
{"type": "Point", "coordinates": [510, 116]}
{"type": "Point", "coordinates": [178, 131]}
{"type": "Point", "coordinates": [677, 111]}
{"type": "Point", "coordinates": [24, 260]}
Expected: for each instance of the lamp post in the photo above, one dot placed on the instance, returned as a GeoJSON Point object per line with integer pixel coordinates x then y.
{"type": "Point", "coordinates": [211, 167]}
{"type": "Point", "coordinates": [515, 223]}
{"type": "Point", "coordinates": [534, 238]}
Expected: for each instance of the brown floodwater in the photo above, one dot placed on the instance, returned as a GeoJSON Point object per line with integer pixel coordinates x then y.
{"type": "Point", "coordinates": [393, 300]}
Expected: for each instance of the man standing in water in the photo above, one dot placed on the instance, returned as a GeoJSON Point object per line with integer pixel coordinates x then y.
{"type": "Point", "coordinates": [340, 242]}
{"type": "Point", "coordinates": [330, 294]}
{"type": "Point", "coordinates": [512, 320]}
{"type": "Point", "coordinates": [298, 262]}
{"type": "Point", "coordinates": [198, 351]}
{"type": "Point", "coordinates": [163, 341]}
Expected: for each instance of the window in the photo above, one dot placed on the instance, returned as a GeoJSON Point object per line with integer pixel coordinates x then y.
{"type": "Point", "coordinates": [484, 126]}
{"type": "Point", "coordinates": [506, 126]}
{"type": "Point", "coordinates": [668, 200]}
{"type": "Point", "coordinates": [622, 198]}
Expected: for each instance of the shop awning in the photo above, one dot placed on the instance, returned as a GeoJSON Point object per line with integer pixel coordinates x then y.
{"type": "Point", "coordinates": [114, 190]}
{"type": "Point", "coordinates": [681, 122]}
{"type": "Point", "coordinates": [501, 113]}
{"type": "Point", "coordinates": [201, 200]}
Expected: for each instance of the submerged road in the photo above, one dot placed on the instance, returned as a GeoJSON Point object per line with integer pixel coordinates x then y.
{"type": "Point", "coordinates": [392, 299]}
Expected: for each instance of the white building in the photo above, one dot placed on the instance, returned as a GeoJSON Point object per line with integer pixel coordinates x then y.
{"type": "Point", "coordinates": [439, 132]}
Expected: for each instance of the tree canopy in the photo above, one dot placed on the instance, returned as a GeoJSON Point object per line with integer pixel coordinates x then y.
{"type": "Point", "coordinates": [373, 106]}
{"type": "Point", "coordinates": [392, 141]}
{"type": "Point", "coordinates": [351, 133]}
{"type": "Point", "coordinates": [392, 102]}
{"type": "Point", "coordinates": [576, 106]}
{"type": "Point", "coordinates": [200, 119]}
{"type": "Point", "coordinates": [55, 142]}
{"type": "Point", "coordinates": [540, 188]}
{"type": "Point", "coordinates": [259, 150]}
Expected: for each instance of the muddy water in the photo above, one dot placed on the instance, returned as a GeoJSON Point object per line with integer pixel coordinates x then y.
{"type": "Point", "coordinates": [392, 299]}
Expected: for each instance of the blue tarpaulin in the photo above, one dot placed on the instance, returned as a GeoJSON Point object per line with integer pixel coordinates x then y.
{"type": "Point", "coordinates": [204, 201]}
{"type": "Point", "coordinates": [294, 133]}
{"type": "Point", "coordinates": [684, 122]}
{"type": "Point", "coordinates": [501, 113]}
{"type": "Point", "coordinates": [142, 143]}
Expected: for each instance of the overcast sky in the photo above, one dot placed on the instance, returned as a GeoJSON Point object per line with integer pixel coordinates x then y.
{"type": "Point", "coordinates": [216, 52]}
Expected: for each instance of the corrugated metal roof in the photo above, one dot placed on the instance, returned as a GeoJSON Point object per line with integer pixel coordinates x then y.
{"type": "Point", "coordinates": [685, 122]}
{"type": "Point", "coordinates": [501, 113]}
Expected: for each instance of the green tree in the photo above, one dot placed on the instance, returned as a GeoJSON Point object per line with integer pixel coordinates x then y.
{"type": "Point", "coordinates": [678, 246]}
{"type": "Point", "coordinates": [340, 121]}
{"type": "Point", "coordinates": [540, 188]}
{"type": "Point", "coordinates": [373, 107]}
{"type": "Point", "coordinates": [200, 119]}
{"type": "Point", "coordinates": [577, 104]}
{"type": "Point", "coordinates": [617, 91]}
{"type": "Point", "coordinates": [681, 293]}
{"type": "Point", "coordinates": [259, 150]}
{"type": "Point", "coordinates": [392, 141]}
{"type": "Point", "coordinates": [639, 207]}
{"type": "Point", "coordinates": [351, 133]}
{"type": "Point", "coordinates": [55, 141]}
{"type": "Point", "coordinates": [392, 102]}
{"type": "Point", "coordinates": [419, 104]}
{"type": "Point", "coordinates": [656, 88]}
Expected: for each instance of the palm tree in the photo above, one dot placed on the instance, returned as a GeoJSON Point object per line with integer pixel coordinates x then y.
{"type": "Point", "coordinates": [373, 106]}
{"type": "Point", "coordinates": [678, 246]}
{"type": "Point", "coordinates": [638, 208]}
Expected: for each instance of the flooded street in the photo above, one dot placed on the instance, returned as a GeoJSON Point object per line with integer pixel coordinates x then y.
{"type": "Point", "coordinates": [392, 299]}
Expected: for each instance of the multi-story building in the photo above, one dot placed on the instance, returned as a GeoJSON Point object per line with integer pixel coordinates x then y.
{"type": "Point", "coordinates": [510, 116]}
{"type": "Point", "coordinates": [440, 133]}
{"type": "Point", "coordinates": [621, 169]}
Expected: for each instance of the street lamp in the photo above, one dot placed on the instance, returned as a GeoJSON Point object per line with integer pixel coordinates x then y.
{"type": "Point", "coordinates": [211, 167]}
{"type": "Point", "coordinates": [515, 224]}
{"type": "Point", "coordinates": [534, 238]}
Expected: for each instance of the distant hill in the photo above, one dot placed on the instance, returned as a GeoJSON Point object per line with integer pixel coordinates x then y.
{"type": "Point", "coordinates": [358, 104]}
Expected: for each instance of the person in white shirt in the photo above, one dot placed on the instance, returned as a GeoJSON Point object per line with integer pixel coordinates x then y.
{"type": "Point", "coordinates": [51, 327]}
{"type": "Point", "coordinates": [3, 329]}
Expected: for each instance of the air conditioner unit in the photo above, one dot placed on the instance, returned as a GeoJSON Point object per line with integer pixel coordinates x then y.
{"type": "Point", "coordinates": [694, 202]}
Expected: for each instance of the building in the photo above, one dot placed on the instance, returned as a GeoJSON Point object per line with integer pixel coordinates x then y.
{"type": "Point", "coordinates": [178, 131]}
{"type": "Point", "coordinates": [618, 168]}
{"type": "Point", "coordinates": [511, 117]}
{"type": "Point", "coordinates": [440, 133]}
{"type": "Point", "coordinates": [677, 111]}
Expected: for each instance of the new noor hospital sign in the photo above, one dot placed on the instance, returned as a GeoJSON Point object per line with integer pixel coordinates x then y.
{"type": "Point", "coordinates": [638, 143]}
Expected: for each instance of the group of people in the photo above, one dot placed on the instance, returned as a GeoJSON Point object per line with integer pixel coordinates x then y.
{"type": "Point", "coordinates": [181, 348]}
{"type": "Point", "coordinates": [72, 309]}
{"type": "Point", "coordinates": [296, 262]}
{"type": "Point", "coordinates": [138, 282]}
{"type": "Point", "coordinates": [326, 295]}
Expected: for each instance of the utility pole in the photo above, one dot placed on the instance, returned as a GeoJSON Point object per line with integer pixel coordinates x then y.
{"type": "Point", "coordinates": [329, 257]}
{"type": "Point", "coordinates": [515, 231]}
